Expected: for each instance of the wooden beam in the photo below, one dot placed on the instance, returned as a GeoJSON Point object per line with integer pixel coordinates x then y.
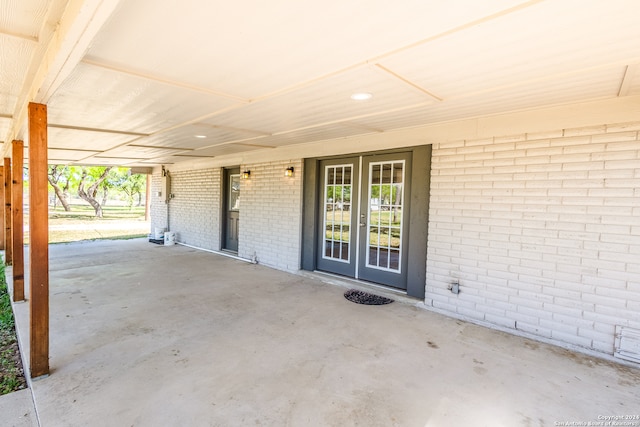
{"type": "Point", "coordinates": [38, 241]}
{"type": "Point", "coordinates": [2, 239]}
{"type": "Point", "coordinates": [17, 221]}
{"type": "Point", "coordinates": [8, 247]}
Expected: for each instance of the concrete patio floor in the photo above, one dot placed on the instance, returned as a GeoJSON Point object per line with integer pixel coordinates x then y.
{"type": "Point", "coordinates": [148, 335]}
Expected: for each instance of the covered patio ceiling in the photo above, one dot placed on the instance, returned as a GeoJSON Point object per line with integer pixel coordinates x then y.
{"type": "Point", "coordinates": [144, 83]}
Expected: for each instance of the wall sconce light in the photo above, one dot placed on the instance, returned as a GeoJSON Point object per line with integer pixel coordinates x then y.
{"type": "Point", "coordinates": [288, 171]}
{"type": "Point", "coordinates": [246, 174]}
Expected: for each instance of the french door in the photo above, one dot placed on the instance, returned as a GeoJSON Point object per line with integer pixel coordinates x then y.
{"type": "Point", "coordinates": [364, 217]}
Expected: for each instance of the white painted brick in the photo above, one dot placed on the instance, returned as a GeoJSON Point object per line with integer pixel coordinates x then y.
{"type": "Point", "coordinates": [519, 317]}
{"type": "Point", "coordinates": [545, 135]}
{"type": "Point", "coordinates": [510, 138]}
{"type": "Point", "coordinates": [545, 151]}
{"type": "Point", "coordinates": [623, 127]}
{"type": "Point", "coordinates": [543, 167]}
{"type": "Point", "coordinates": [534, 329]}
{"type": "Point", "coordinates": [612, 137]}
{"type": "Point", "coordinates": [571, 338]}
{"type": "Point", "coordinates": [565, 228]}
{"type": "Point", "coordinates": [582, 165]}
{"type": "Point", "coordinates": [606, 347]}
{"type": "Point", "coordinates": [556, 327]}
{"type": "Point", "coordinates": [536, 312]}
{"type": "Point", "coordinates": [499, 320]}
{"type": "Point", "coordinates": [534, 160]}
{"type": "Point", "coordinates": [621, 164]}
{"type": "Point", "coordinates": [590, 130]}
{"type": "Point", "coordinates": [615, 155]}
{"type": "Point", "coordinates": [470, 313]}
{"type": "Point", "coordinates": [570, 140]}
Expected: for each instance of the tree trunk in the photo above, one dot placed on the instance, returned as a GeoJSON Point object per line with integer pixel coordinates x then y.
{"type": "Point", "coordinates": [105, 195]}
{"type": "Point", "coordinates": [90, 193]}
{"type": "Point", "coordinates": [60, 195]}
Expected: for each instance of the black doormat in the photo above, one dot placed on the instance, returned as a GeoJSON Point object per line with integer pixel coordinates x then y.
{"type": "Point", "coordinates": [360, 297]}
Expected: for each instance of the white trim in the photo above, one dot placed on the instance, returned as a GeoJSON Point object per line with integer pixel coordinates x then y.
{"type": "Point", "coordinates": [358, 213]}
{"type": "Point", "coordinates": [369, 185]}
{"type": "Point", "coordinates": [324, 215]}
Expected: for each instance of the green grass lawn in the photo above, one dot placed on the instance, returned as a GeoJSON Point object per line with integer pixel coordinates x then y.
{"type": "Point", "coordinates": [11, 373]}
{"type": "Point", "coordinates": [118, 222]}
{"type": "Point", "coordinates": [84, 212]}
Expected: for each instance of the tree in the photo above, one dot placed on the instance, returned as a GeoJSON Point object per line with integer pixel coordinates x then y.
{"type": "Point", "coordinates": [134, 185]}
{"type": "Point", "coordinates": [59, 177]}
{"type": "Point", "coordinates": [114, 179]}
{"type": "Point", "coordinates": [96, 176]}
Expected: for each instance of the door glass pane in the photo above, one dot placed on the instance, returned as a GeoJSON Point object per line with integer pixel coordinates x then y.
{"type": "Point", "coordinates": [337, 212]}
{"type": "Point", "coordinates": [385, 215]}
{"type": "Point", "coordinates": [234, 192]}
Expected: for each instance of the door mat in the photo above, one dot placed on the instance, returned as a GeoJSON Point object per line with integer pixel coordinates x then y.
{"type": "Point", "coordinates": [366, 298]}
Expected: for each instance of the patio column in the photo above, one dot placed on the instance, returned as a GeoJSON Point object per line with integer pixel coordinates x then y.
{"type": "Point", "coordinates": [2, 210]}
{"type": "Point", "coordinates": [8, 247]}
{"type": "Point", "coordinates": [38, 241]}
{"type": "Point", "coordinates": [17, 225]}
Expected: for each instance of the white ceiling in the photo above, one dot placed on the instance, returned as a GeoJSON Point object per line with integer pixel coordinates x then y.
{"type": "Point", "coordinates": [132, 82]}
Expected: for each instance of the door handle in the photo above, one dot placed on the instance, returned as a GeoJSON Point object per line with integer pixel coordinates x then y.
{"type": "Point", "coordinates": [362, 221]}
{"type": "Point", "coordinates": [363, 224]}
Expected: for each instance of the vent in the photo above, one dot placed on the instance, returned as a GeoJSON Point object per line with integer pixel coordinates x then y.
{"type": "Point", "coordinates": [627, 345]}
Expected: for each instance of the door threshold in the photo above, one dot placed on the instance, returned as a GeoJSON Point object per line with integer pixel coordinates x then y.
{"type": "Point", "coordinates": [399, 295]}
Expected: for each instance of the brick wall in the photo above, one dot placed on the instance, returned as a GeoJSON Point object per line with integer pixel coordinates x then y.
{"type": "Point", "coordinates": [194, 210]}
{"type": "Point", "coordinates": [541, 230]}
{"type": "Point", "coordinates": [158, 207]}
{"type": "Point", "coordinates": [270, 215]}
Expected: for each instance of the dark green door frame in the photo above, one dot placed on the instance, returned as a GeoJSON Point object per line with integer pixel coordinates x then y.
{"type": "Point", "coordinates": [418, 216]}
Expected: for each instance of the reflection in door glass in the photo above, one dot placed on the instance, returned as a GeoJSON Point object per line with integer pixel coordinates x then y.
{"type": "Point", "coordinates": [337, 212]}
{"type": "Point", "coordinates": [234, 192]}
{"type": "Point", "coordinates": [385, 215]}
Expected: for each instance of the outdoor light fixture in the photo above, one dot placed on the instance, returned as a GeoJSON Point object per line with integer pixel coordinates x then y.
{"type": "Point", "coordinates": [246, 174]}
{"type": "Point", "coordinates": [288, 171]}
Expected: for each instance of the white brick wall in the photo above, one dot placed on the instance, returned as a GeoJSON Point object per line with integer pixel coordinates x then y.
{"type": "Point", "coordinates": [194, 211]}
{"type": "Point", "coordinates": [542, 231]}
{"type": "Point", "coordinates": [270, 211]}
{"type": "Point", "coordinates": [271, 215]}
{"type": "Point", "coordinates": [157, 205]}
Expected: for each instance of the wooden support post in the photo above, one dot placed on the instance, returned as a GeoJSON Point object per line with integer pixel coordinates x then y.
{"type": "Point", "coordinates": [8, 247]}
{"type": "Point", "coordinates": [17, 225]}
{"type": "Point", "coordinates": [2, 227]}
{"type": "Point", "coordinates": [38, 240]}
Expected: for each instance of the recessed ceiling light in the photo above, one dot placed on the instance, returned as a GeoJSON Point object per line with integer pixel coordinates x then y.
{"type": "Point", "coordinates": [361, 96]}
{"type": "Point", "coordinates": [200, 136]}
